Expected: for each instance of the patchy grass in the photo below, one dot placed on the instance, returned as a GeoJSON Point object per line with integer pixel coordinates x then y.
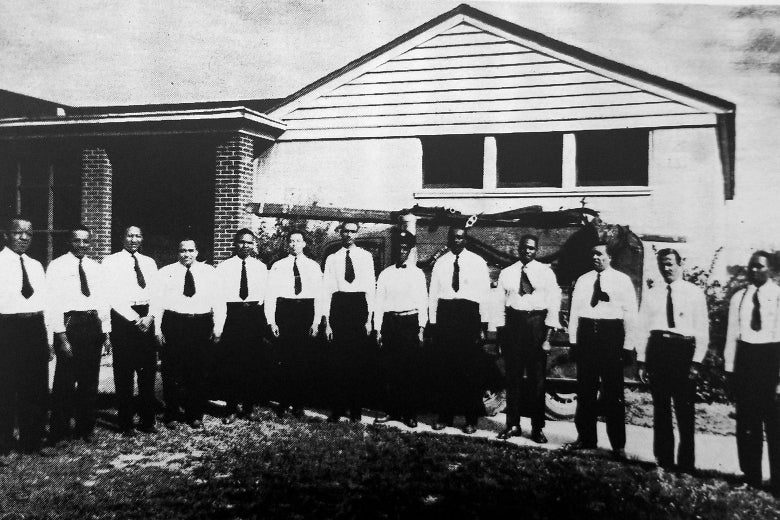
{"type": "Point", "coordinates": [717, 418]}
{"type": "Point", "coordinates": [312, 469]}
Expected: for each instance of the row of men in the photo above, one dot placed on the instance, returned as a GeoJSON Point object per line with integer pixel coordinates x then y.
{"type": "Point", "coordinates": [188, 305]}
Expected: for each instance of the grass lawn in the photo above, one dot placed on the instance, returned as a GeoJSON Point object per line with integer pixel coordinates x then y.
{"type": "Point", "coordinates": [311, 469]}
{"type": "Point", "coordinates": [716, 418]}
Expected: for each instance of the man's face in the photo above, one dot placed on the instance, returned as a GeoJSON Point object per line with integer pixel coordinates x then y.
{"type": "Point", "coordinates": [245, 245]}
{"type": "Point", "coordinates": [187, 252]}
{"type": "Point", "coordinates": [456, 240]}
{"type": "Point", "coordinates": [758, 270]}
{"type": "Point", "coordinates": [600, 257]}
{"type": "Point", "coordinates": [296, 244]}
{"type": "Point", "coordinates": [348, 234]}
{"type": "Point", "coordinates": [19, 237]}
{"type": "Point", "coordinates": [79, 243]}
{"type": "Point", "coordinates": [133, 239]}
{"type": "Point", "coordinates": [670, 269]}
{"type": "Point", "coordinates": [527, 250]}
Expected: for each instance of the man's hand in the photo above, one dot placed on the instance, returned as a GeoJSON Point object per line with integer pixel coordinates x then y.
{"type": "Point", "coordinates": [51, 352]}
{"type": "Point", "coordinates": [274, 329]}
{"type": "Point", "coordinates": [368, 327]}
{"type": "Point", "coordinates": [313, 330]}
{"type": "Point", "coordinates": [106, 346]}
{"type": "Point", "coordinates": [215, 337]}
{"type": "Point", "coordinates": [641, 372]}
{"type": "Point", "coordinates": [144, 324]}
{"type": "Point", "coordinates": [64, 349]}
{"type": "Point", "coordinates": [693, 372]}
{"type": "Point", "coordinates": [379, 339]}
{"type": "Point", "coordinates": [161, 339]}
{"type": "Point", "coordinates": [421, 335]}
{"type": "Point", "coordinates": [328, 332]}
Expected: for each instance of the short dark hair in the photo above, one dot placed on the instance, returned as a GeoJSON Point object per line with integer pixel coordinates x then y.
{"type": "Point", "coordinates": [187, 238]}
{"type": "Point", "coordinates": [80, 227]}
{"type": "Point", "coordinates": [302, 232]}
{"type": "Point", "coordinates": [607, 244]}
{"type": "Point", "coordinates": [18, 216]}
{"type": "Point", "coordinates": [529, 236]}
{"type": "Point", "coordinates": [667, 251]}
{"type": "Point", "coordinates": [241, 232]}
{"type": "Point", "coordinates": [132, 225]}
{"type": "Point", "coordinates": [345, 222]}
{"type": "Point", "coordinates": [767, 255]}
{"type": "Point", "coordinates": [453, 227]}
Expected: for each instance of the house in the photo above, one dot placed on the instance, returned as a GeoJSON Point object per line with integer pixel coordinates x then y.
{"type": "Point", "coordinates": [467, 110]}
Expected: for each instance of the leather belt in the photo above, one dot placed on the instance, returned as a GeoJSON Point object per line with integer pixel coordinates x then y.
{"type": "Point", "coordinates": [403, 313]}
{"type": "Point", "coordinates": [665, 334]}
{"type": "Point", "coordinates": [22, 314]}
{"type": "Point", "coordinates": [188, 315]}
{"type": "Point", "coordinates": [139, 302]}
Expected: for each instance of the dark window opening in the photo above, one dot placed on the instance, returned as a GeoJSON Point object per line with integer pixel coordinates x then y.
{"type": "Point", "coordinates": [612, 158]}
{"type": "Point", "coordinates": [529, 160]}
{"type": "Point", "coordinates": [453, 161]}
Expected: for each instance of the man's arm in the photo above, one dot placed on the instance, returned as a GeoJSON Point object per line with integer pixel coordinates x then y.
{"type": "Point", "coordinates": [732, 332]}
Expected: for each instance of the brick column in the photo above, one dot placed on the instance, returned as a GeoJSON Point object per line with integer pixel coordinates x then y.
{"type": "Point", "coordinates": [234, 177]}
{"type": "Point", "coordinates": [96, 198]}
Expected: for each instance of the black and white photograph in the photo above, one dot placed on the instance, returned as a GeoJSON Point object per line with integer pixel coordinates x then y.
{"type": "Point", "coordinates": [389, 259]}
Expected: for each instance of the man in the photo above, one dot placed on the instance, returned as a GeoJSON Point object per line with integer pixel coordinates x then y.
{"type": "Point", "coordinates": [131, 278]}
{"type": "Point", "coordinates": [460, 285]}
{"type": "Point", "coordinates": [78, 312]}
{"type": "Point", "coordinates": [294, 312]}
{"type": "Point", "coordinates": [602, 325]}
{"type": "Point", "coordinates": [675, 330]}
{"type": "Point", "coordinates": [191, 312]}
{"type": "Point", "coordinates": [349, 286]}
{"type": "Point", "coordinates": [24, 349]}
{"type": "Point", "coordinates": [400, 316]}
{"type": "Point", "coordinates": [243, 279]}
{"type": "Point", "coordinates": [752, 361]}
{"type": "Point", "coordinates": [532, 300]}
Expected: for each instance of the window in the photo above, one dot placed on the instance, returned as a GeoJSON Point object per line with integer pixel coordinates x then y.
{"type": "Point", "coordinates": [529, 160]}
{"type": "Point", "coordinates": [612, 158]}
{"type": "Point", "coordinates": [453, 161]}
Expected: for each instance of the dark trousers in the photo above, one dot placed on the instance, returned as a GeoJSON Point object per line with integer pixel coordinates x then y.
{"type": "Point", "coordinates": [74, 393]}
{"type": "Point", "coordinates": [668, 365]}
{"type": "Point", "coordinates": [400, 356]}
{"type": "Point", "coordinates": [600, 366]}
{"type": "Point", "coordinates": [244, 363]}
{"type": "Point", "coordinates": [348, 316]}
{"type": "Point", "coordinates": [134, 352]}
{"type": "Point", "coordinates": [521, 344]}
{"type": "Point", "coordinates": [292, 352]}
{"type": "Point", "coordinates": [187, 341]}
{"type": "Point", "coordinates": [458, 355]}
{"type": "Point", "coordinates": [755, 379]}
{"type": "Point", "coordinates": [24, 379]}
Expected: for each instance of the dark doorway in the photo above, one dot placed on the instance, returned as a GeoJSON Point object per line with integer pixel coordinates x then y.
{"type": "Point", "coordinates": [165, 185]}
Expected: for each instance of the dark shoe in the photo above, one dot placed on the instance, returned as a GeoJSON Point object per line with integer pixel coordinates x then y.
{"type": "Point", "coordinates": [128, 432]}
{"type": "Point", "coordinates": [410, 422]}
{"type": "Point", "coordinates": [439, 426]}
{"type": "Point", "coordinates": [230, 419]}
{"type": "Point", "coordinates": [469, 429]}
{"type": "Point", "coordinates": [333, 418]}
{"type": "Point", "coordinates": [147, 428]}
{"type": "Point", "coordinates": [355, 418]}
{"type": "Point", "coordinates": [171, 424]}
{"type": "Point", "coordinates": [577, 445]}
{"type": "Point", "coordinates": [196, 424]}
{"type": "Point", "coordinates": [280, 409]}
{"type": "Point", "coordinates": [510, 431]}
{"type": "Point", "coordinates": [297, 412]}
{"type": "Point", "coordinates": [538, 437]}
{"type": "Point", "coordinates": [619, 454]}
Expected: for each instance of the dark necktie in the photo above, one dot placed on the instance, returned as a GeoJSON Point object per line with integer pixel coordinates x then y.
{"type": "Point", "coordinates": [755, 317]}
{"type": "Point", "coordinates": [525, 283]}
{"type": "Point", "coordinates": [400, 266]}
{"type": "Point", "coordinates": [456, 274]}
{"type": "Point", "coordinates": [598, 294]}
{"type": "Point", "coordinates": [349, 269]}
{"type": "Point", "coordinates": [27, 289]}
{"type": "Point", "coordinates": [297, 276]}
{"type": "Point", "coordinates": [243, 290]}
{"type": "Point", "coordinates": [669, 307]}
{"type": "Point", "coordinates": [139, 276]}
{"type": "Point", "coordinates": [189, 284]}
{"type": "Point", "coordinates": [83, 279]}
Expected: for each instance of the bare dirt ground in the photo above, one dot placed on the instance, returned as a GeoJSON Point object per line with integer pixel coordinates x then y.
{"type": "Point", "coordinates": [716, 418]}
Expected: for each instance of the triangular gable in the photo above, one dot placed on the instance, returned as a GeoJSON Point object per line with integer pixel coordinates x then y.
{"type": "Point", "coordinates": [469, 72]}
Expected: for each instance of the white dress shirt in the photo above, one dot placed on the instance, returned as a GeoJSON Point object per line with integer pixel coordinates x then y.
{"type": "Point", "coordinates": [207, 298]}
{"type": "Point", "coordinates": [281, 284]}
{"type": "Point", "coordinates": [229, 276]}
{"type": "Point", "coordinates": [401, 289]}
{"type": "Point", "coordinates": [621, 305]}
{"type": "Point", "coordinates": [11, 299]}
{"type": "Point", "coordinates": [474, 282]}
{"type": "Point", "coordinates": [123, 283]}
{"type": "Point", "coordinates": [365, 278]}
{"type": "Point", "coordinates": [690, 316]}
{"type": "Point", "coordinates": [64, 291]}
{"type": "Point", "coordinates": [546, 295]}
{"type": "Point", "coordinates": [740, 313]}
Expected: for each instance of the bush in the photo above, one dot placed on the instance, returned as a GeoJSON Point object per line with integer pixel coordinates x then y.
{"type": "Point", "coordinates": [272, 240]}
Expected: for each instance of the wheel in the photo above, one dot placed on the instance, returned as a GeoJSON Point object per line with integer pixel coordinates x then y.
{"type": "Point", "coordinates": [560, 405]}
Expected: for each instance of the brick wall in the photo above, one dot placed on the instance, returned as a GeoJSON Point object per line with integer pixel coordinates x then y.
{"type": "Point", "coordinates": [96, 198]}
{"type": "Point", "coordinates": [233, 188]}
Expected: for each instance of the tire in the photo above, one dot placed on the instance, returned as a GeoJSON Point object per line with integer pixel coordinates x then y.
{"type": "Point", "coordinates": [560, 405]}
